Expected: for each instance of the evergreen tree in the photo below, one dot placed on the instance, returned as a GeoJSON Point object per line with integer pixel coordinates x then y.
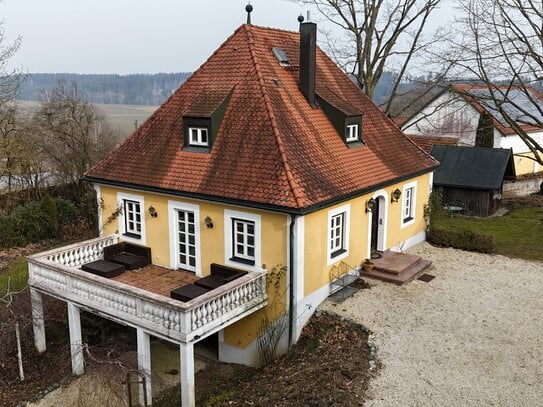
{"type": "Point", "coordinates": [484, 136]}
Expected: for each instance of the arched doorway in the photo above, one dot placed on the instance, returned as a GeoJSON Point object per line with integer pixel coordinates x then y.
{"type": "Point", "coordinates": [378, 225]}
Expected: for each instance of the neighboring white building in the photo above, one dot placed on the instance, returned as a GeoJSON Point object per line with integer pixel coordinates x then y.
{"type": "Point", "coordinates": [455, 113]}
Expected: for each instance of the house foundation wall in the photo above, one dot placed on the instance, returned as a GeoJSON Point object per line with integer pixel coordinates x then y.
{"type": "Point", "coordinates": [522, 187]}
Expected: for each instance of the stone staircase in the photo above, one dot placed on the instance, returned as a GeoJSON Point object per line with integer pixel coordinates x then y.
{"type": "Point", "coordinates": [397, 268]}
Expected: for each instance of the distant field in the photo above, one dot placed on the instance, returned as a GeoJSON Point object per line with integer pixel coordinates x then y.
{"type": "Point", "coordinates": [120, 117]}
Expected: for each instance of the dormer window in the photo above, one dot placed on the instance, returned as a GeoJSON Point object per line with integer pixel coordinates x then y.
{"type": "Point", "coordinates": [202, 120]}
{"type": "Point", "coordinates": [352, 133]}
{"type": "Point", "coordinates": [198, 136]}
{"type": "Point", "coordinates": [346, 119]}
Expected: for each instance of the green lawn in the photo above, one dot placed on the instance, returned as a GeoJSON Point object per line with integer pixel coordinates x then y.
{"type": "Point", "coordinates": [517, 234]}
{"type": "Point", "coordinates": [16, 277]}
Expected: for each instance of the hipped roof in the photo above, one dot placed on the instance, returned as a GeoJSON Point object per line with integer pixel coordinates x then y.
{"type": "Point", "coordinates": [272, 148]}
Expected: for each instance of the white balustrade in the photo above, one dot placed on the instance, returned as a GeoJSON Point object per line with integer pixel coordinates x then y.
{"type": "Point", "coordinates": [56, 273]}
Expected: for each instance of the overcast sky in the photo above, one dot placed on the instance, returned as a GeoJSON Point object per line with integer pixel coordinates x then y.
{"type": "Point", "coordinates": [131, 36]}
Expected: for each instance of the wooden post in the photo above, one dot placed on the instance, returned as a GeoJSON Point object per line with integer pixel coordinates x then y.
{"type": "Point", "coordinates": [186, 352]}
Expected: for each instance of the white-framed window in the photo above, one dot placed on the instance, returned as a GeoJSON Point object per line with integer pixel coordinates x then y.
{"type": "Point", "coordinates": [338, 233]}
{"type": "Point", "coordinates": [243, 240]}
{"type": "Point", "coordinates": [131, 217]}
{"type": "Point", "coordinates": [184, 229]}
{"type": "Point", "coordinates": [242, 237]}
{"type": "Point", "coordinates": [409, 195]}
{"type": "Point", "coordinates": [198, 136]}
{"type": "Point", "coordinates": [352, 132]}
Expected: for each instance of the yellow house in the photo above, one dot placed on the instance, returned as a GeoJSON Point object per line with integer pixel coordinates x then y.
{"type": "Point", "coordinates": [267, 158]}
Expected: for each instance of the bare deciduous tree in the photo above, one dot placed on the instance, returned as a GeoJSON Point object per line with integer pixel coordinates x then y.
{"type": "Point", "coordinates": [10, 79]}
{"type": "Point", "coordinates": [71, 132]}
{"type": "Point", "coordinates": [378, 35]}
{"type": "Point", "coordinates": [500, 43]}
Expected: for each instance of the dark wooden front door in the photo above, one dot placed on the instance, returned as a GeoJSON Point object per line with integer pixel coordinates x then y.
{"type": "Point", "coordinates": [375, 226]}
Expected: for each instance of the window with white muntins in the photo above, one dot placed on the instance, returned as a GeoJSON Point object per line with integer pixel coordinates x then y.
{"type": "Point", "coordinates": [242, 236]}
{"type": "Point", "coordinates": [352, 132]}
{"type": "Point", "coordinates": [409, 203]}
{"type": "Point", "coordinates": [186, 243]}
{"type": "Point", "coordinates": [243, 239]}
{"type": "Point", "coordinates": [184, 235]}
{"type": "Point", "coordinates": [338, 233]}
{"type": "Point", "coordinates": [131, 217]}
{"type": "Point", "coordinates": [337, 227]}
{"type": "Point", "coordinates": [198, 136]}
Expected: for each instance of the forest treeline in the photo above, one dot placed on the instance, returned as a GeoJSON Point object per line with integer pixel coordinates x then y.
{"type": "Point", "coordinates": [133, 89]}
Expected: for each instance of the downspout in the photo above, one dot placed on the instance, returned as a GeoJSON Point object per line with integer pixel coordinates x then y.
{"type": "Point", "coordinates": [291, 308]}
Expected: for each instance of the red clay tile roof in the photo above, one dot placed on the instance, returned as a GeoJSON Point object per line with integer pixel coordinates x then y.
{"type": "Point", "coordinates": [427, 142]}
{"type": "Point", "coordinates": [272, 147]}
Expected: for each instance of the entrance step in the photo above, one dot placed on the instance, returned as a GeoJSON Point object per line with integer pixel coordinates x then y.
{"type": "Point", "coordinates": [397, 268]}
{"type": "Point", "coordinates": [394, 262]}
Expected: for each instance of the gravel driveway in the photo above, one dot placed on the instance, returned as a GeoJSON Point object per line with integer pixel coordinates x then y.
{"type": "Point", "coordinates": [473, 336]}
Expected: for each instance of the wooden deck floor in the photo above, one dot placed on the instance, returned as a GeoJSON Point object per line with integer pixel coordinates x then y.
{"type": "Point", "coordinates": [156, 279]}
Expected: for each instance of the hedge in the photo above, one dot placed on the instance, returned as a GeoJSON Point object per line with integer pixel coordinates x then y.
{"type": "Point", "coordinates": [462, 239]}
{"type": "Point", "coordinates": [36, 220]}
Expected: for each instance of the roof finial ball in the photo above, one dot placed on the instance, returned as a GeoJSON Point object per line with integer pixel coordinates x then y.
{"type": "Point", "coordinates": [301, 19]}
{"type": "Point", "coordinates": [248, 9]}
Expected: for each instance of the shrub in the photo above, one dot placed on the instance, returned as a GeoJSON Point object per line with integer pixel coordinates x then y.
{"type": "Point", "coordinates": [50, 207]}
{"type": "Point", "coordinates": [67, 211]}
{"type": "Point", "coordinates": [462, 239]}
{"type": "Point", "coordinates": [89, 208]}
{"type": "Point", "coordinates": [32, 222]}
{"type": "Point", "coordinates": [9, 235]}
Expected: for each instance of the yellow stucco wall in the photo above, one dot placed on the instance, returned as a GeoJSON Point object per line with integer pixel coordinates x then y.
{"type": "Point", "coordinates": [212, 246]}
{"type": "Point", "coordinates": [525, 165]}
{"type": "Point", "coordinates": [317, 269]}
{"type": "Point", "coordinates": [273, 239]}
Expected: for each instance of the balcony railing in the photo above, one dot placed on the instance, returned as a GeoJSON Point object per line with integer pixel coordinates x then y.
{"type": "Point", "coordinates": [56, 273]}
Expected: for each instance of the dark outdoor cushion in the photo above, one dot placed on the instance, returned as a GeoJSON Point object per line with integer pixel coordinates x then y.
{"type": "Point", "coordinates": [187, 292]}
{"type": "Point", "coordinates": [226, 273]}
{"type": "Point", "coordinates": [132, 256]}
{"type": "Point", "coordinates": [103, 268]}
{"type": "Point", "coordinates": [129, 260]}
{"type": "Point", "coordinates": [210, 282]}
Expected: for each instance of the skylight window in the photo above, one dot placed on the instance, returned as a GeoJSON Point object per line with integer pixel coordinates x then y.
{"type": "Point", "coordinates": [281, 56]}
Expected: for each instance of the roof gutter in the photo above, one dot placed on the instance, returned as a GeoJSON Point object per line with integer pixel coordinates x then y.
{"type": "Point", "coordinates": [257, 205]}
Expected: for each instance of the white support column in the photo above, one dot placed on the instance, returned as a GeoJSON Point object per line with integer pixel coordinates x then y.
{"type": "Point", "coordinates": [37, 320]}
{"type": "Point", "coordinates": [144, 365]}
{"type": "Point", "coordinates": [76, 343]}
{"type": "Point", "coordinates": [186, 352]}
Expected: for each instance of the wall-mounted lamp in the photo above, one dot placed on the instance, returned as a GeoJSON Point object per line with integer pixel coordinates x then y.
{"type": "Point", "coordinates": [396, 195]}
{"type": "Point", "coordinates": [153, 212]}
{"type": "Point", "coordinates": [370, 205]}
{"type": "Point", "coordinates": [209, 222]}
